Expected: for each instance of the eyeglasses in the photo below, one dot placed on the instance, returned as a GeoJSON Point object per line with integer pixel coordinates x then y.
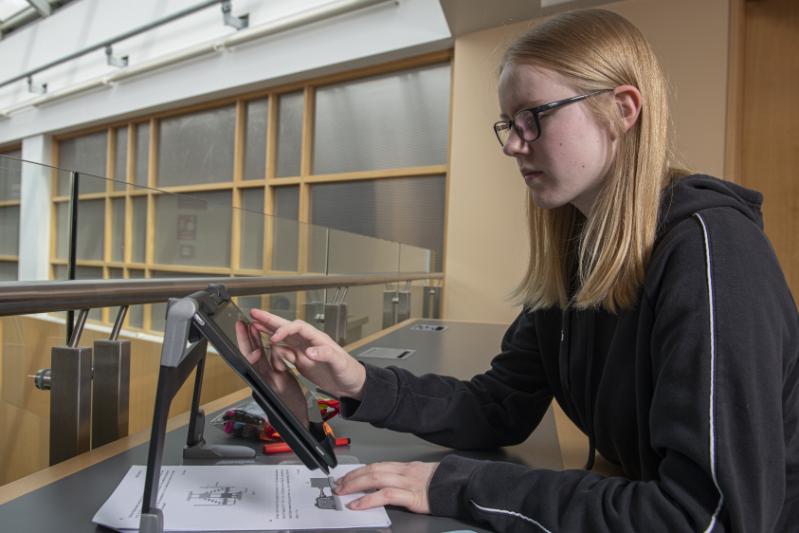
{"type": "Point", "coordinates": [527, 122]}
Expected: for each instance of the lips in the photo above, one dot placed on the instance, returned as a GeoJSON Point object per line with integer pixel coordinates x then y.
{"type": "Point", "coordinates": [530, 174]}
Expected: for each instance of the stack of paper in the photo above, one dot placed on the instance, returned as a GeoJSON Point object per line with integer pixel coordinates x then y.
{"type": "Point", "coordinates": [239, 498]}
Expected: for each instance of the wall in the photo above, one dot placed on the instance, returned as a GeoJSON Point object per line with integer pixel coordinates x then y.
{"type": "Point", "coordinates": [769, 123]}
{"type": "Point", "coordinates": [486, 224]}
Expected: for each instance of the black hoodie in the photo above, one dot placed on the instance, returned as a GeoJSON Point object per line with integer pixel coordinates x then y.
{"type": "Point", "coordinates": [694, 393]}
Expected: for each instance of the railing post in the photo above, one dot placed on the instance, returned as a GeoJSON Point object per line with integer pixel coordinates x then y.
{"type": "Point", "coordinates": [111, 386]}
{"type": "Point", "coordinates": [431, 302]}
{"type": "Point", "coordinates": [315, 313]}
{"type": "Point", "coordinates": [336, 322]}
{"type": "Point", "coordinates": [330, 317]}
{"type": "Point", "coordinates": [73, 242]}
{"type": "Point", "coordinates": [396, 306]}
{"type": "Point", "coordinates": [70, 397]}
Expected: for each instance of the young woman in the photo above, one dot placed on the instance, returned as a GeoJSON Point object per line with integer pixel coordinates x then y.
{"type": "Point", "coordinates": [655, 313]}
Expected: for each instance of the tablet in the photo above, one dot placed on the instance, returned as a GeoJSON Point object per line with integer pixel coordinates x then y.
{"type": "Point", "coordinates": [216, 319]}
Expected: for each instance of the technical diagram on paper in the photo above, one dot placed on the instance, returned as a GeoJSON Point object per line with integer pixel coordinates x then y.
{"type": "Point", "coordinates": [216, 495]}
{"type": "Point", "coordinates": [239, 498]}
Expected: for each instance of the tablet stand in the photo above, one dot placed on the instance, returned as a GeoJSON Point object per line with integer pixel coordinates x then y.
{"type": "Point", "coordinates": [183, 350]}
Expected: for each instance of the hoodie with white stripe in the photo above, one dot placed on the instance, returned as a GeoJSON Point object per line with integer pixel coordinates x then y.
{"type": "Point", "coordinates": [694, 393]}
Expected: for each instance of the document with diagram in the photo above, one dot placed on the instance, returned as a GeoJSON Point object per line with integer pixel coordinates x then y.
{"type": "Point", "coordinates": [239, 498]}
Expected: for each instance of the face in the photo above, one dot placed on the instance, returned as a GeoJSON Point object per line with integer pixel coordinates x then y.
{"type": "Point", "coordinates": [569, 161]}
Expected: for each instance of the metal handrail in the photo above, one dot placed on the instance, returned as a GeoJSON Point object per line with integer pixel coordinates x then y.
{"type": "Point", "coordinates": [21, 298]}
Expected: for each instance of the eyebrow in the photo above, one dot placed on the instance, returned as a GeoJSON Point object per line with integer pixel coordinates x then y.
{"type": "Point", "coordinates": [530, 105]}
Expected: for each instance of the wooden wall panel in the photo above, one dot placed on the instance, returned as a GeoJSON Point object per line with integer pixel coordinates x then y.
{"type": "Point", "coordinates": [769, 124]}
{"type": "Point", "coordinates": [25, 410]}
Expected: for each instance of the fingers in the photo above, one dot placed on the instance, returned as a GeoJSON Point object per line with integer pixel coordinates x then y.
{"type": "Point", "coordinates": [243, 340]}
{"type": "Point", "coordinates": [368, 477]}
{"type": "Point", "coordinates": [270, 321]}
{"type": "Point", "coordinates": [409, 499]}
{"type": "Point", "coordinates": [403, 484]}
{"type": "Point", "coordinates": [279, 354]}
{"type": "Point", "coordinates": [321, 354]}
{"type": "Point", "coordinates": [298, 333]}
{"type": "Point", "coordinates": [243, 337]}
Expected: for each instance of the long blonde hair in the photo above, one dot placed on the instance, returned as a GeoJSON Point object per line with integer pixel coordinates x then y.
{"type": "Point", "coordinates": [598, 49]}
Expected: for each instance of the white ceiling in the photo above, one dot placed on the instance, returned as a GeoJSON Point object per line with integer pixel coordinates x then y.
{"type": "Point", "coordinates": [466, 16]}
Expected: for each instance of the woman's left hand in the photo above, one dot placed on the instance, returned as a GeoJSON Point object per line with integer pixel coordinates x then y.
{"type": "Point", "coordinates": [401, 484]}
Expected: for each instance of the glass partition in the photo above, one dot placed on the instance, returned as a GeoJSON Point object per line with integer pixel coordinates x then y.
{"type": "Point", "coordinates": [193, 230]}
{"type": "Point", "coordinates": [251, 229]}
{"type": "Point", "coordinates": [128, 231]}
{"type": "Point", "coordinates": [223, 189]}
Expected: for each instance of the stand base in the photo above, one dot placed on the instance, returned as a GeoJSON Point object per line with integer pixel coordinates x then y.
{"type": "Point", "coordinates": [218, 451]}
{"type": "Point", "coordinates": [152, 522]}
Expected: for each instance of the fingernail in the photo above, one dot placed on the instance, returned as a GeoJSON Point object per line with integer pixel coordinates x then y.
{"type": "Point", "coordinates": [354, 504]}
{"type": "Point", "coordinates": [311, 352]}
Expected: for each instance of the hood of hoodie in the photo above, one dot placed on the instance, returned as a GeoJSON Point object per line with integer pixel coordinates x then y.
{"type": "Point", "coordinates": [697, 192]}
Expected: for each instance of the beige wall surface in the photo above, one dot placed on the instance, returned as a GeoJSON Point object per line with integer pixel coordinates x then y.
{"type": "Point", "coordinates": [486, 225]}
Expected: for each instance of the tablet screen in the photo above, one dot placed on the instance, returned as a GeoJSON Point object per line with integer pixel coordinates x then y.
{"type": "Point", "coordinates": [289, 408]}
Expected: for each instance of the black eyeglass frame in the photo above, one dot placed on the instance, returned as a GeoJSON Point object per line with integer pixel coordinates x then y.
{"type": "Point", "coordinates": [502, 125]}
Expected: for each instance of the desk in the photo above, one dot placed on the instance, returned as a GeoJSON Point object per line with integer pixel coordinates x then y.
{"type": "Point", "coordinates": [52, 501]}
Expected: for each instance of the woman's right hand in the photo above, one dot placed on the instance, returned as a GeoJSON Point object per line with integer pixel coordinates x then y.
{"type": "Point", "coordinates": [318, 357]}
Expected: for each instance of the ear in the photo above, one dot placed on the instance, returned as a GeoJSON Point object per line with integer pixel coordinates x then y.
{"type": "Point", "coordinates": [628, 100]}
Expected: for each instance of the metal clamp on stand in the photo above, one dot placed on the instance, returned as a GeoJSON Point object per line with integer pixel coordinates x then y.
{"type": "Point", "coordinates": [183, 350]}
{"type": "Point", "coordinates": [111, 386]}
{"type": "Point", "coordinates": [396, 305]}
{"type": "Point", "coordinates": [70, 396]}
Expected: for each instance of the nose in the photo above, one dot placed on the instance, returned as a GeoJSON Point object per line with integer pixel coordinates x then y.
{"type": "Point", "coordinates": [515, 145]}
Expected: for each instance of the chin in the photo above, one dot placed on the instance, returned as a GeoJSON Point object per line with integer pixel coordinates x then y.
{"type": "Point", "coordinates": [546, 201]}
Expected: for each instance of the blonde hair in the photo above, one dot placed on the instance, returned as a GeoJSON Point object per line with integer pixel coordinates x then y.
{"type": "Point", "coordinates": [597, 49]}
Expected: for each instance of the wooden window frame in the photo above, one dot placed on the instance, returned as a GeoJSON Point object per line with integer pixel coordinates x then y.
{"type": "Point", "coordinates": [268, 183]}
{"type": "Point", "coordinates": [4, 150]}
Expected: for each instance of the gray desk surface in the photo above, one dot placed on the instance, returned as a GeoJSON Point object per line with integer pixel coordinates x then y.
{"type": "Point", "coordinates": [461, 350]}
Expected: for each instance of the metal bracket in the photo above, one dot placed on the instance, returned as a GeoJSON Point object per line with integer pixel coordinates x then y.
{"type": "Point", "coordinates": [239, 23]}
{"type": "Point", "coordinates": [113, 60]}
{"type": "Point", "coordinates": [78, 331]}
{"type": "Point", "coordinates": [36, 89]}
{"type": "Point", "coordinates": [123, 310]}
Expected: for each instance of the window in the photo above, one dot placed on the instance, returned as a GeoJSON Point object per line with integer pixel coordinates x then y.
{"type": "Point", "coordinates": [10, 197]}
{"type": "Point", "coordinates": [188, 189]}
